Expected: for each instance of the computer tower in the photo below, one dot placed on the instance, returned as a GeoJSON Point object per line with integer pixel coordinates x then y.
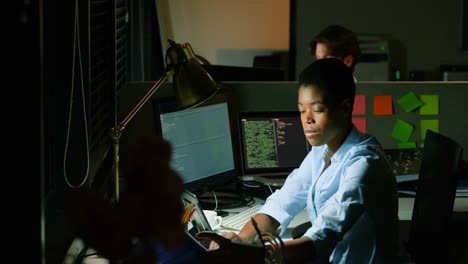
{"type": "Point", "coordinates": [454, 72]}
{"type": "Point", "coordinates": [382, 59]}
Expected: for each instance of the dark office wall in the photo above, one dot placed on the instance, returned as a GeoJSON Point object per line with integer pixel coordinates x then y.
{"type": "Point", "coordinates": [429, 30]}
{"type": "Point", "coordinates": [146, 60]}
{"type": "Point", "coordinates": [282, 96]}
{"type": "Point", "coordinates": [464, 26]}
{"type": "Point", "coordinates": [22, 122]}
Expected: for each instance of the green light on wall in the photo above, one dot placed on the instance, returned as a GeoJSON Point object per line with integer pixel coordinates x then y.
{"type": "Point", "coordinates": [397, 75]}
{"type": "Point", "coordinates": [382, 47]}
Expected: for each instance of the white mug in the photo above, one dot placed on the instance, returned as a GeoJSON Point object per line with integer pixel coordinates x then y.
{"type": "Point", "coordinates": [213, 219]}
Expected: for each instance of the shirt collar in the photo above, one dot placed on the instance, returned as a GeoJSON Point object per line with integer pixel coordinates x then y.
{"type": "Point", "coordinates": [351, 140]}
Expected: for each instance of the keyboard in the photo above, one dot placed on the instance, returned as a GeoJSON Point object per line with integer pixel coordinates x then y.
{"type": "Point", "coordinates": [238, 220]}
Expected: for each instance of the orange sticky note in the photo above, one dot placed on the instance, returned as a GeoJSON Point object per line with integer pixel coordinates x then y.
{"type": "Point", "coordinates": [383, 105]}
{"type": "Point", "coordinates": [359, 107]}
{"type": "Point", "coordinates": [360, 123]}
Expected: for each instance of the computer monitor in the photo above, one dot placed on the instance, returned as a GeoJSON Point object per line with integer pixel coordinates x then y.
{"type": "Point", "coordinates": [271, 142]}
{"type": "Point", "coordinates": [202, 144]}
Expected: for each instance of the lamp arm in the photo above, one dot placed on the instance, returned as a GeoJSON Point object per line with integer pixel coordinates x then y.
{"type": "Point", "coordinates": [116, 131]}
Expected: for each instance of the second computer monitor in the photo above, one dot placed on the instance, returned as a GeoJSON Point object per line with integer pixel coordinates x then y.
{"type": "Point", "coordinates": [271, 142]}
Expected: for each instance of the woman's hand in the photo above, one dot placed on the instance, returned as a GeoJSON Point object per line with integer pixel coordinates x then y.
{"type": "Point", "coordinates": [229, 248]}
{"type": "Point", "coordinates": [228, 235]}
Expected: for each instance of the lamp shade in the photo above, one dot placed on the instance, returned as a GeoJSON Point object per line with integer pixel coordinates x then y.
{"type": "Point", "coordinates": [191, 54]}
{"type": "Point", "coordinates": [191, 83]}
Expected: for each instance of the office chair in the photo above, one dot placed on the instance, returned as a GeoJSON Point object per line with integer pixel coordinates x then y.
{"type": "Point", "coordinates": [428, 240]}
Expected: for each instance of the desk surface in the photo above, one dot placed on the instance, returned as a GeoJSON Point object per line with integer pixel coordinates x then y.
{"type": "Point", "coordinates": [405, 211]}
{"type": "Point", "coordinates": [405, 206]}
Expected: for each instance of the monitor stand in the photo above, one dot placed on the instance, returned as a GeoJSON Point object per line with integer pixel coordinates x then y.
{"type": "Point", "coordinates": [272, 180]}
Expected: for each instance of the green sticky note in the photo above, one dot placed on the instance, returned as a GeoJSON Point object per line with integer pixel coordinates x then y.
{"type": "Point", "coordinates": [407, 145]}
{"type": "Point", "coordinates": [409, 102]}
{"type": "Point", "coordinates": [432, 124]}
{"type": "Point", "coordinates": [430, 105]}
{"type": "Point", "coordinates": [402, 130]}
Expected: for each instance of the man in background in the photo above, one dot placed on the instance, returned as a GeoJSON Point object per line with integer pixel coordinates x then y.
{"type": "Point", "coordinates": [338, 42]}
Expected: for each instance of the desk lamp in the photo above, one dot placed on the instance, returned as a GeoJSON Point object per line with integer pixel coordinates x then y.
{"type": "Point", "coordinates": [192, 86]}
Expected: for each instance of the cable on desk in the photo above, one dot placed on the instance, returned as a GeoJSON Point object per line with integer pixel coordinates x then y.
{"type": "Point", "coordinates": [246, 184]}
{"type": "Point", "coordinates": [249, 202]}
{"type": "Point", "coordinates": [269, 187]}
{"type": "Point", "coordinates": [216, 200]}
{"type": "Point", "coordinates": [223, 200]}
{"type": "Point", "coordinates": [253, 184]}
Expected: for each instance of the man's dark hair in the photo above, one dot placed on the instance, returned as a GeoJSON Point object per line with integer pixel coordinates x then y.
{"type": "Point", "coordinates": [340, 41]}
{"type": "Point", "coordinates": [332, 77]}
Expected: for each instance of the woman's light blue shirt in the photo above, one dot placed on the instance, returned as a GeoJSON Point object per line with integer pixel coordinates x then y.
{"type": "Point", "coordinates": [352, 205]}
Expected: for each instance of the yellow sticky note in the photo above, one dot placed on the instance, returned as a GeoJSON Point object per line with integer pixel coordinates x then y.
{"type": "Point", "coordinates": [430, 105]}
{"type": "Point", "coordinates": [432, 124]}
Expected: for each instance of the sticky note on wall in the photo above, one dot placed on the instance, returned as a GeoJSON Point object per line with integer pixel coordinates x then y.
{"type": "Point", "coordinates": [383, 105]}
{"type": "Point", "coordinates": [402, 130]}
{"type": "Point", "coordinates": [359, 107]}
{"type": "Point", "coordinates": [430, 105]}
{"type": "Point", "coordinates": [360, 123]}
{"type": "Point", "coordinates": [409, 102]}
{"type": "Point", "coordinates": [432, 124]}
{"type": "Point", "coordinates": [407, 145]}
